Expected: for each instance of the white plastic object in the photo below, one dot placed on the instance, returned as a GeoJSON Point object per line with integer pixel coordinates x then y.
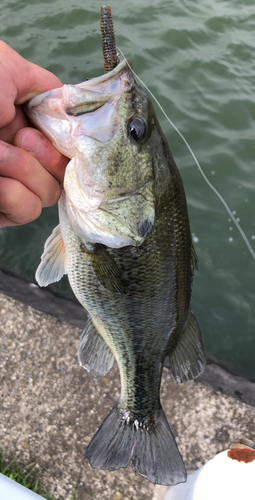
{"type": "Point", "coordinates": [10, 490]}
{"type": "Point", "coordinates": [221, 478]}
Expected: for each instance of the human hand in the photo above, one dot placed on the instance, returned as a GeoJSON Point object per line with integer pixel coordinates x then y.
{"type": "Point", "coordinates": [31, 169]}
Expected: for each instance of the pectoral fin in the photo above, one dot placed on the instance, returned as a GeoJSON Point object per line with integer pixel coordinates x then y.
{"type": "Point", "coordinates": [106, 269]}
{"type": "Point", "coordinates": [187, 359]}
{"type": "Point", "coordinates": [93, 353]}
{"type": "Point", "coordinates": [52, 266]}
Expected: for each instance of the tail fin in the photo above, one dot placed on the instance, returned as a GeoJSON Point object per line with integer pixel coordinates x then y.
{"type": "Point", "coordinates": [152, 447]}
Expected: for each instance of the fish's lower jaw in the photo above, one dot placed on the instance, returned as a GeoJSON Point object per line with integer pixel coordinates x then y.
{"type": "Point", "coordinates": [152, 447]}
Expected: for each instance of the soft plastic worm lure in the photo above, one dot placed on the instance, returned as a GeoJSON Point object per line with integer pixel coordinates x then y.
{"type": "Point", "coordinates": [108, 39]}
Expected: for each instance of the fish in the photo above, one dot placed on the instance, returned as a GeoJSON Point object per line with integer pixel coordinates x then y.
{"type": "Point", "coordinates": [124, 242]}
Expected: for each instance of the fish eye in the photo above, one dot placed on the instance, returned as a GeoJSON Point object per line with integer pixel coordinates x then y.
{"type": "Point", "coordinates": [137, 129]}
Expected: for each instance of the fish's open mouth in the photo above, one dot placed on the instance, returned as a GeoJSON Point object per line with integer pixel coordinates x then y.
{"type": "Point", "coordinates": [101, 88]}
{"type": "Point", "coordinates": [86, 109]}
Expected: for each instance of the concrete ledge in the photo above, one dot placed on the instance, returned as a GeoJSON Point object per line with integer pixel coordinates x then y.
{"type": "Point", "coordinates": [232, 385]}
{"type": "Point", "coordinates": [42, 299]}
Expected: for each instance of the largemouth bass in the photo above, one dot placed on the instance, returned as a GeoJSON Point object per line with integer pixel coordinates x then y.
{"type": "Point", "coordinates": [124, 241]}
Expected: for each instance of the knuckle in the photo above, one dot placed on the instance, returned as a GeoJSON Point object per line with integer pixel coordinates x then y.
{"type": "Point", "coordinates": [27, 166]}
{"type": "Point", "coordinates": [53, 194]}
{"type": "Point", "coordinates": [17, 202]}
{"type": "Point", "coordinates": [9, 194]}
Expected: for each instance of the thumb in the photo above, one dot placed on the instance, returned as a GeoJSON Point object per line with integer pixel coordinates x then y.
{"type": "Point", "coordinates": [20, 80]}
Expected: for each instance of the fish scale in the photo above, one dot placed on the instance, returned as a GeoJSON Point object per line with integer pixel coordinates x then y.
{"type": "Point", "coordinates": [138, 301]}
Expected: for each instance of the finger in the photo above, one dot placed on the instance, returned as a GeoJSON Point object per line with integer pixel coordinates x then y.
{"type": "Point", "coordinates": [20, 80]}
{"type": "Point", "coordinates": [23, 167]}
{"type": "Point", "coordinates": [41, 148]}
{"type": "Point", "coordinates": [18, 205]}
{"type": "Point", "coordinates": [20, 121]}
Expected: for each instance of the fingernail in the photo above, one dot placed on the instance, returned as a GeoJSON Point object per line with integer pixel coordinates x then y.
{"type": "Point", "coordinates": [31, 140]}
{"type": "Point", "coordinates": [3, 151]}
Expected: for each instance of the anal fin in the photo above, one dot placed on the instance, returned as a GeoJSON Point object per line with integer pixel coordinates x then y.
{"type": "Point", "coordinates": [93, 353]}
{"type": "Point", "coordinates": [187, 359]}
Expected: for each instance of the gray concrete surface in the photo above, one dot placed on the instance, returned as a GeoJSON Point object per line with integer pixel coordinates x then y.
{"type": "Point", "coordinates": [50, 408]}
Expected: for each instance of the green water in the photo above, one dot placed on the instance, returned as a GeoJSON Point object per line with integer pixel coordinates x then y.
{"type": "Point", "coordinates": [198, 59]}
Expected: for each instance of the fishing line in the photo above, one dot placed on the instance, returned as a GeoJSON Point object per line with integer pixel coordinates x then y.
{"type": "Point", "coordinates": [241, 231]}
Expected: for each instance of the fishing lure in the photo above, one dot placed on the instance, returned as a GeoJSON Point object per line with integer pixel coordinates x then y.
{"type": "Point", "coordinates": [108, 39]}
